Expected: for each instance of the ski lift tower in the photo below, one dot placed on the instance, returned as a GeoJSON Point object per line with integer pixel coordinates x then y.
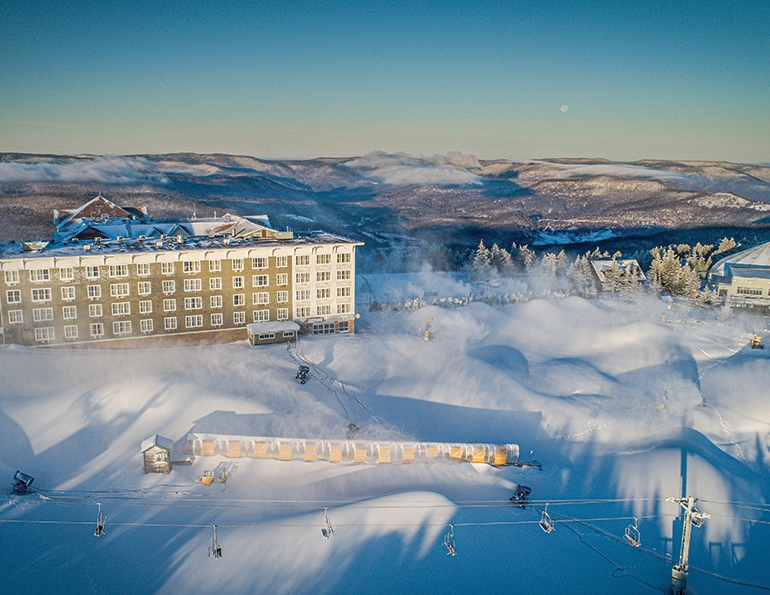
{"type": "Point", "coordinates": [692, 516]}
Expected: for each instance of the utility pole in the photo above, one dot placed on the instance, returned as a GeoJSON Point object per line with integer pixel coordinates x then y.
{"type": "Point", "coordinates": [692, 516]}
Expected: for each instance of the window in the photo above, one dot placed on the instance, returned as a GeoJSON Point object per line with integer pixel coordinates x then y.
{"type": "Point", "coordinates": [261, 298]}
{"type": "Point", "coordinates": [39, 275]}
{"type": "Point", "coordinates": [343, 292]}
{"type": "Point", "coordinates": [343, 308]}
{"type": "Point", "coordinates": [143, 270]}
{"type": "Point", "coordinates": [121, 327]}
{"type": "Point", "coordinates": [12, 277]}
{"type": "Point", "coordinates": [239, 317]}
{"type": "Point", "coordinates": [15, 316]}
{"type": "Point", "coordinates": [215, 266]}
{"type": "Point", "coordinates": [239, 299]}
{"type": "Point", "coordinates": [266, 336]}
{"type": "Point", "coordinates": [216, 301]}
{"type": "Point", "coordinates": [67, 274]}
{"type": "Point", "coordinates": [217, 319]}
{"type": "Point", "coordinates": [97, 329]}
{"type": "Point", "coordinates": [323, 310]}
{"type": "Point", "coordinates": [68, 293]}
{"type": "Point", "coordinates": [323, 276]}
{"type": "Point", "coordinates": [42, 314]}
{"type": "Point", "coordinates": [260, 281]}
{"type": "Point", "coordinates": [167, 268]}
{"type": "Point", "coordinates": [193, 321]}
{"type": "Point", "coordinates": [119, 290]}
{"type": "Point", "coordinates": [302, 260]}
{"type": "Point", "coordinates": [237, 264]}
{"type": "Point", "coordinates": [92, 273]}
{"type": "Point", "coordinates": [45, 334]}
{"type": "Point", "coordinates": [281, 262]}
{"type": "Point", "coordinates": [193, 285]}
{"type": "Point", "coordinates": [71, 331]}
{"type": "Point", "coordinates": [323, 293]}
{"type": "Point", "coordinates": [169, 305]}
{"type": "Point", "coordinates": [118, 270]}
{"type": "Point", "coordinates": [343, 327]}
{"type": "Point", "coordinates": [323, 258]}
{"type": "Point", "coordinates": [94, 292]}
{"type": "Point", "coordinates": [325, 328]}
{"type": "Point", "coordinates": [259, 263]}
{"type": "Point", "coordinates": [41, 295]}
{"type": "Point", "coordinates": [215, 284]}
{"type": "Point", "coordinates": [169, 324]}
{"type": "Point", "coordinates": [282, 297]}
{"type": "Point", "coordinates": [261, 315]}
{"type": "Point", "coordinates": [145, 307]}
{"type": "Point", "coordinates": [343, 275]}
{"type": "Point", "coordinates": [343, 257]}
{"type": "Point", "coordinates": [191, 267]}
{"type": "Point", "coordinates": [282, 279]}
{"type": "Point", "coordinates": [146, 325]}
{"type": "Point", "coordinates": [238, 282]}
{"type": "Point", "coordinates": [302, 278]}
{"type": "Point", "coordinates": [169, 287]}
{"type": "Point", "coordinates": [303, 311]}
{"type": "Point", "coordinates": [302, 294]}
{"type": "Point", "coordinates": [95, 311]}
{"type": "Point", "coordinates": [70, 312]}
{"type": "Point", "coordinates": [283, 314]}
{"type": "Point", "coordinates": [288, 334]}
{"type": "Point", "coordinates": [121, 308]}
{"type": "Point", "coordinates": [145, 288]}
{"type": "Point", "coordinates": [195, 303]}
{"type": "Point", "coordinates": [13, 296]}
{"type": "Point", "coordinates": [748, 291]}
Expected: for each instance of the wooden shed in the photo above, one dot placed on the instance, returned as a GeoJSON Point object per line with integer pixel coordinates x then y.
{"type": "Point", "coordinates": [265, 333]}
{"type": "Point", "coordinates": [157, 454]}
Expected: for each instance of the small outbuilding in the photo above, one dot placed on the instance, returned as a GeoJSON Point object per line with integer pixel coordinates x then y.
{"type": "Point", "coordinates": [157, 454]}
{"type": "Point", "coordinates": [265, 333]}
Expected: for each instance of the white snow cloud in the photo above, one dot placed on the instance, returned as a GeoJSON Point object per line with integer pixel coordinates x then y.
{"type": "Point", "coordinates": [620, 170]}
{"type": "Point", "coordinates": [103, 170]}
{"type": "Point", "coordinates": [402, 169]}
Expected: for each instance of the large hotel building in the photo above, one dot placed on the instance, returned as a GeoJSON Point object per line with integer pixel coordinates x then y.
{"type": "Point", "coordinates": [111, 276]}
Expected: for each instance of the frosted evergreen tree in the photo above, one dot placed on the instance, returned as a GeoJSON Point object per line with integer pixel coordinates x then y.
{"type": "Point", "coordinates": [581, 276]}
{"type": "Point", "coordinates": [548, 264]}
{"type": "Point", "coordinates": [481, 264]}
{"type": "Point", "coordinates": [506, 263]}
{"type": "Point", "coordinates": [561, 263]}
{"type": "Point", "coordinates": [527, 257]}
{"type": "Point", "coordinates": [725, 245]}
{"type": "Point", "coordinates": [494, 258]}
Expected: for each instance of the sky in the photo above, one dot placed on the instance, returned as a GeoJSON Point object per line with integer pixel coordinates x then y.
{"type": "Point", "coordinates": [507, 80]}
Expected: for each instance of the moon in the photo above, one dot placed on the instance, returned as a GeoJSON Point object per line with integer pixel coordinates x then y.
{"type": "Point", "coordinates": [564, 108]}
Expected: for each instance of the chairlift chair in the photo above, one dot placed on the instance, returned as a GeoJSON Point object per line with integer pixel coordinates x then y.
{"type": "Point", "coordinates": [449, 542]}
{"type": "Point", "coordinates": [327, 531]}
{"type": "Point", "coordinates": [215, 550]}
{"type": "Point", "coordinates": [521, 495]}
{"type": "Point", "coordinates": [101, 520]}
{"type": "Point", "coordinates": [302, 374]}
{"type": "Point", "coordinates": [23, 481]}
{"type": "Point", "coordinates": [632, 535]}
{"type": "Point", "coordinates": [546, 523]}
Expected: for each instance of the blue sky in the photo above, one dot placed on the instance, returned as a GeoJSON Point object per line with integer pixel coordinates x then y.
{"type": "Point", "coordinates": [675, 80]}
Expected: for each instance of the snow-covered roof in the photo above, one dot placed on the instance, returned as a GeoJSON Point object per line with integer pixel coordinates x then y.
{"type": "Point", "coordinates": [157, 440]}
{"type": "Point", "coordinates": [258, 328]}
{"type": "Point", "coordinates": [756, 257]}
{"type": "Point", "coordinates": [626, 265]}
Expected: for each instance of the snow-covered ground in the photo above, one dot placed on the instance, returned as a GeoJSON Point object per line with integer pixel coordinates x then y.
{"type": "Point", "coordinates": [580, 383]}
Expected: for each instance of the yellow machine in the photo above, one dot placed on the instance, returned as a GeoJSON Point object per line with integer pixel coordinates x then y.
{"type": "Point", "coordinates": [756, 342]}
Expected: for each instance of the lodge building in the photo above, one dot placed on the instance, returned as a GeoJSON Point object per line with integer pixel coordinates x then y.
{"type": "Point", "coordinates": [113, 277]}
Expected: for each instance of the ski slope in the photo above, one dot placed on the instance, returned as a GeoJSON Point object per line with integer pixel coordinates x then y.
{"type": "Point", "coordinates": [580, 383]}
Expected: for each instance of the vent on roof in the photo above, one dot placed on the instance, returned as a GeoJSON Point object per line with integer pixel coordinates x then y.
{"type": "Point", "coordinates": [98, 240]}
{"type": "Point", "coordinates": [120, 238]}
{"type": "Point", "coordinates": [142, 238]}
{"type": "Point", "coordinates": [86, 247]}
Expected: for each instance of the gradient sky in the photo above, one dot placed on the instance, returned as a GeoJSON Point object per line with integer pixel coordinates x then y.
{"type": "Point", "coordinates": [673, 80]}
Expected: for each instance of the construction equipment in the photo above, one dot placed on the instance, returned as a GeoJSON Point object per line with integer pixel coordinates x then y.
{"type": "Point", "coordinates": [302, 374]}
{"type": "Point", "coordinates": [521, 495]}
{"type": "Point", "coordinates": [207, 478]}
{"type": "Point", "coordinates": [756, 342]}
{"type": "Point", "coordinates": [23, 481]}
